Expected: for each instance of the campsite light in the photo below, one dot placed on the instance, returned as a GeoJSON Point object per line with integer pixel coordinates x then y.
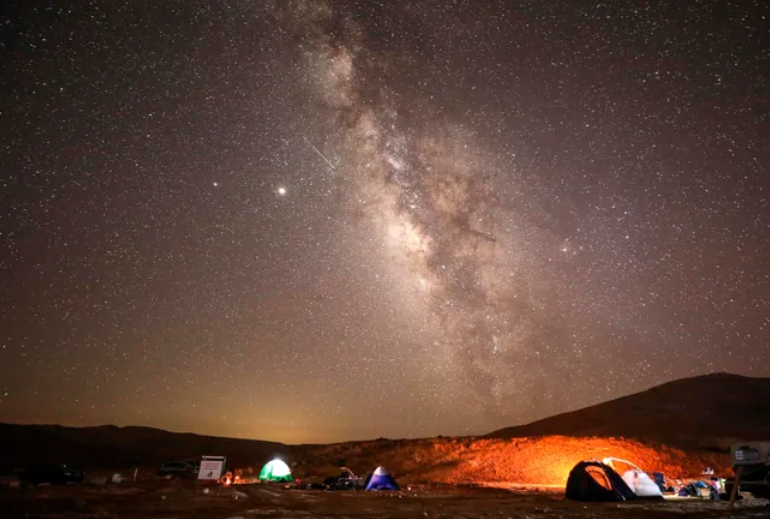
{"type": "Point", "coordinates": [227, 479]}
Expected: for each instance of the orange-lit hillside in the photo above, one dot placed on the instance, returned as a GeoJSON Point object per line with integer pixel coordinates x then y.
{"type": "Point", "coordinates": [519, 461]}
{"type": "Point", "coordinates": [548, 460]}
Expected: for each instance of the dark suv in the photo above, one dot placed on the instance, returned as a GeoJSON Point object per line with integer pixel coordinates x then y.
{"type": "Point", "coordinates": [178, 469]}
{"type": "Point", "coordinates": [753, 459]}
{"type": "Point", "coordinates": [53, 473]}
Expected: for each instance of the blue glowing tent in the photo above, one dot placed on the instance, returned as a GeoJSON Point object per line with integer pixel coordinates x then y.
{"type": "Point", "coordinates": [381, 480]}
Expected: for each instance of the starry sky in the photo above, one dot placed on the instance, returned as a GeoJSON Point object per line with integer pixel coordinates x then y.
{"type": "Point", "coordinates": [319, 220]}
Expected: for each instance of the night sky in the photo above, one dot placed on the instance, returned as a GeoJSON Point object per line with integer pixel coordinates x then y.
{"type": "Point", "coordinates": [310, 221]}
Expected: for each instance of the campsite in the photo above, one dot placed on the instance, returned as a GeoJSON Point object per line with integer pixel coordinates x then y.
{"type": "Point", "coordinates": [144, 472]}
{"type": "Point", "coordinates": [177, 498]}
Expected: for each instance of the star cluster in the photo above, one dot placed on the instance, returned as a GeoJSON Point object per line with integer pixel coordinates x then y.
{"type": "Point", "coordinates": [312, 220]}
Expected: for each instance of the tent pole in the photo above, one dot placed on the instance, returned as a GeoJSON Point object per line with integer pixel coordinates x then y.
{"type": "Point", "coordinates": [626, 462]}
{"type": "Point", "coordinates": [736, 482]}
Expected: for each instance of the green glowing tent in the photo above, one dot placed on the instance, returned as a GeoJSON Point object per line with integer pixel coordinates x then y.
{"type": "Point", "coordinates": [275, 470]}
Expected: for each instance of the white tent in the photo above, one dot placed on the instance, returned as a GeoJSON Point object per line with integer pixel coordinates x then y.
{"type": "Point", "coordinates": [637, 480]}
{"type": "Point", "coordinates": [641, 484]}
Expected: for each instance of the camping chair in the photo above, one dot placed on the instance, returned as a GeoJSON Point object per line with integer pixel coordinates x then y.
{"type": "Point", "coordinates": [660, 479]}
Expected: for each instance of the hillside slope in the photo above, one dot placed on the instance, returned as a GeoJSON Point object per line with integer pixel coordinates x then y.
{"type": "Point", "coordinates": [522, 461]}
{"type": "Point", "coordinates": [517, 462]}
{"type": "Point", "coordinates": [709, 410]}
{"type": "Point", "coordinates": [677, 428]}
{"type": "Point", "coordinates": [112, 446]}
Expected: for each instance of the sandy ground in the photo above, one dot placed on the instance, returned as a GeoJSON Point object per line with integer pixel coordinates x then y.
{"type": "Point", "coordinates": [175, 499]}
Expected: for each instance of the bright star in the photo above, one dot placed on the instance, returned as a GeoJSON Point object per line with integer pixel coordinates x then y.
{"type": "Point", "coordinates": [282, 191]}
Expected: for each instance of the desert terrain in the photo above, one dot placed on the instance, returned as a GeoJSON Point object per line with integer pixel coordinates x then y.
{"type": "Point", "coordinates": [678, 429]}
{"type": "Point", "coordinates": [177, 499]}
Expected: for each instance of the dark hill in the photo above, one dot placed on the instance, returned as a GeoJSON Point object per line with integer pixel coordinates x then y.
{"type": "Point", "coordinates": [709, 410]}
{"type": "Point", "coordinates": [118, 447]}
{"type": "Point", "coordinates": [693, 413]}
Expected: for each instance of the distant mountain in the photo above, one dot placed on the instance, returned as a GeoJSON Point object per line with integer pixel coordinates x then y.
{"type": "Point", "coordinates": [709, 410]}
{"type": "Point", "coordinates": [118, 447]}
{"type": "Point", "coordinates": [691, 414]}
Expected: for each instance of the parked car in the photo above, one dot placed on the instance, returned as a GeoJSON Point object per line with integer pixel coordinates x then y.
{"type": "Point", "coordinates": [53, 473]}
{"type": "Point", "coordinates": [196, 464]}
{"type": "Point", "coordinates": [178, 469]}
{"type": "Point", "coordinates": [753, 459]}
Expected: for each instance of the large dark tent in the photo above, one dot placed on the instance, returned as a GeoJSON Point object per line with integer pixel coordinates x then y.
{"type": "Point", "coordinates": [595, 481]}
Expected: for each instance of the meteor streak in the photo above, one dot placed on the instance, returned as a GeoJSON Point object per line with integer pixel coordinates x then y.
{"type": "Point", "coordinates": [319, 153]}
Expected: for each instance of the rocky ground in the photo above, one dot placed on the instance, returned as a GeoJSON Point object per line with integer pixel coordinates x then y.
{"type": "Point", "coordinates": [184, 499]}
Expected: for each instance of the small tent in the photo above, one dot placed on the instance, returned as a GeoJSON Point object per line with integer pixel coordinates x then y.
{"type": "Point", "coordinates": [275, 470]}
{"type": "Point", "coordinates": [642, 485]}
{"type": "Point", "coordinates": [595, 481]}
{"type": "Point", "coordinates": [381, 479]}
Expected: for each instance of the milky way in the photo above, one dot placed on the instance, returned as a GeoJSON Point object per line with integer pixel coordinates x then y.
{"type": "Point", "coordinates": [318, 220]}
{"type": "Point", "coordinates": [425, 188]}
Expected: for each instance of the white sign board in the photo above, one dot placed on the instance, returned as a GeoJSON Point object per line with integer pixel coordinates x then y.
{"type": "Point", "coordinates": [212, 468]}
